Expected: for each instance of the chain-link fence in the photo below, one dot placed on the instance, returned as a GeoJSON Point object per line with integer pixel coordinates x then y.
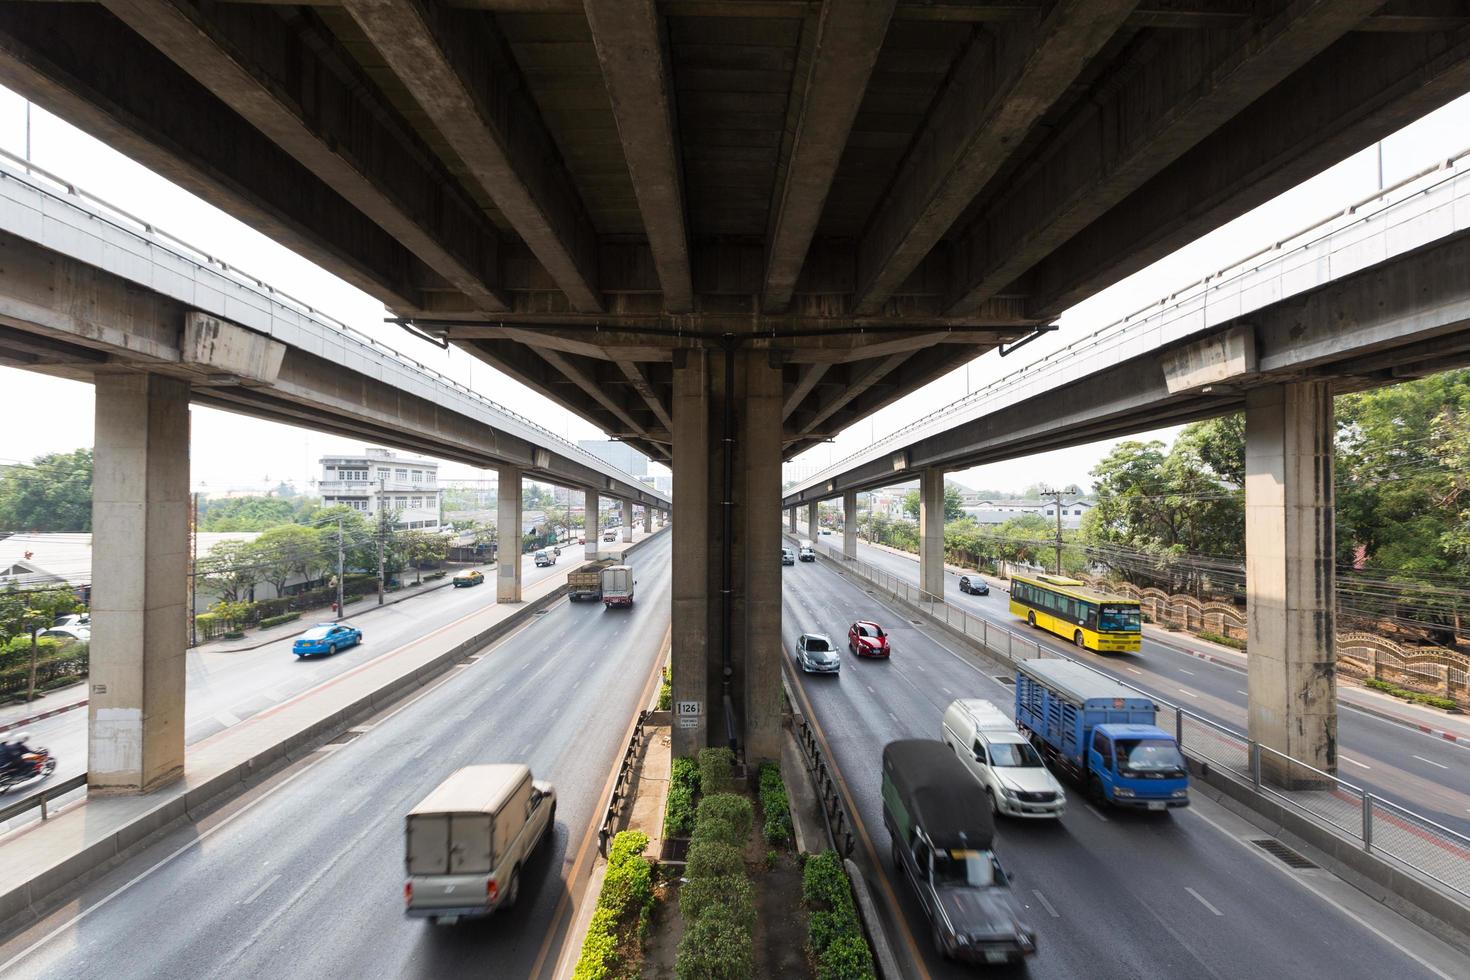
{"type": "Point", "coordinates": [1387, 829]}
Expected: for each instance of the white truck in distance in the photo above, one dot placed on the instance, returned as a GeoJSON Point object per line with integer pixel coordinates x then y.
{"type": "Point", "coordinates": [467, 842]}
{"type": "Point", "coordinates": [617, 586]}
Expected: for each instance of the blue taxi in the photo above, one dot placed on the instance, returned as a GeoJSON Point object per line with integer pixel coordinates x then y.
{"type": "Point", "coordinates": [327, 638]}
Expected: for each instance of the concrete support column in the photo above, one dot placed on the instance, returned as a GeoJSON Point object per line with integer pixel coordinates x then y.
{"type": "Point", "coordinates": [849, 525]}
{"type": "Point", "coordinates": [1289, 573]}
{"type": "Point", "coordinates": [627, 521]}
{"type": "Point", "coordinates": [593, 523]}
{"type": "Point", "coordinates": [811, 521]}
{"type": "Point", "coordinates": [791, 518]}
{"type": "Point", "coordinates": [931, 532]}
{"type": "Point", "coordinates": [758, 537]}
{"type": "Point", "coordinates": [692, 554]}
{"type": "Point", "coordinates": [508, 534]}
{"type": "Point", "coordinates": [140, 561]}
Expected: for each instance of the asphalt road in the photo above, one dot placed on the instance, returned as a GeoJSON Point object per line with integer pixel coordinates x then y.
{"type": "Point", "coordinates": [224, 689]}
{"type": "Point", "coordinates": [1415, 770]}
{"type": "Point", "coordinates": [1113, 894]}
{"type": "Point", "coordinates": [303, 876]}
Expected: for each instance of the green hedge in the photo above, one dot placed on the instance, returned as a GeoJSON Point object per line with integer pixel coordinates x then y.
{"type": "Point", "coordinates": [1416, 697]}
{"type": "Point", "coordinates": [716, 901]}
{"type": "Point", "coordinates": [627, 889]}
{"type": "Point", "coordinates": [774, 804]}
{"type": "Point", "coordinates": [683, 785]}
{"type": "Point", "coordinates": [57, 664]}
{"type": "Point", "coordinates": [716, 770]}
{"type": "Point", "coordinates": [724, 817]}
{"type": "Point", "coordinates": [1225, 641]}
{"type": "Point", "coordinates": [270, 621]}
{"type": "Point", "coordinates": [834, 934]}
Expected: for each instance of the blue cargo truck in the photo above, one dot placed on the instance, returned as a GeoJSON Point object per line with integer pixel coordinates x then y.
{"type": "Point", "coordinates": [1102, 734]}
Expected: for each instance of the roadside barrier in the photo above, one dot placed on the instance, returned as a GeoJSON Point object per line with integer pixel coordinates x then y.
{"type": "Point", "coordinates": [619, 794]}
{"type": "Point", "coordinates": [839, 827]}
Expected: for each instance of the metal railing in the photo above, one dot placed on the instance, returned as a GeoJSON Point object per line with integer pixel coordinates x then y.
{"type": "Point", "coordinates": [1382, 827]}
{"type": "Point", "coordinates": [16, 168]}
{"type": "Point", "coordinates": [1430, 195]}
{"type": "Point", "coordinates": [42, 798]}
{"type": "Point", "coordinates": [834, 814]}
{"type": "Point", "coordinates": [614, 808]}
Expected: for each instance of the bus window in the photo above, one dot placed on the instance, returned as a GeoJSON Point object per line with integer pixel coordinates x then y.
{"type": "Point", "coordinates": [1119, 619]}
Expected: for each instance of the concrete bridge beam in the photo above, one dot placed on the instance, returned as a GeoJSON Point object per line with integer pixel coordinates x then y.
{"type": "Point", "coordinates": [627, 521]}
{"type": "Point", "coordinates": [508, 533]}
{"type": "Point", "coordinates": [931, 531]}
{"type": "Point", "coordinates": [592, 523]}
{"type": "Point", "coordinates": [849, 525]}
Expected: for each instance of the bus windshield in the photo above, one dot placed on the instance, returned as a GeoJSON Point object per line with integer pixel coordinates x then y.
{"type": "Point", "coordinates": [1119, 619]}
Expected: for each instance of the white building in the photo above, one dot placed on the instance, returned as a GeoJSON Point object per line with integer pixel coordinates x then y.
{"type": "Point", "coordinates": [380, 480]}
{"type": "Point", "coordinates": [1000, 511]}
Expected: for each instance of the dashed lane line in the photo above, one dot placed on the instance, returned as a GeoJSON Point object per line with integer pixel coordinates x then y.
{"type": "Point", "coordinates": [1203, 901]}
{"type": "Point", "coordinates": [1094, 811]}
{"type": "Point", "coordinates": [261, 890]}
{"type": "Point", "coordinates": [1355, 762]}
{"type": "Point", "coordinates": [1431, 762]}
{"type": "Point", "coordinates": [1050, 910]}
{"type": "Point", "coordinates": [1183, 671]}
{"type": "Point", "coordinates": [1190, 693]}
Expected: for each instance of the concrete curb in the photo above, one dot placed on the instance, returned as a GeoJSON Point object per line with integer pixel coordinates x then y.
{"type": "Point", "coordinates": [873, 925]}
{"type": "Point", "coordinates": [32, 719]}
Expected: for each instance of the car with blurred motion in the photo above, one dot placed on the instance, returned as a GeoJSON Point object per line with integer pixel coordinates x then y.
{"type": "Point", "coordinates": [816, 655]}
{"type": "Point", "coordinates": [974, 584]}
{"type": "Point", "coordinates": [1007, 765]}
{"type": "Point", "coordinates": [326, 638]}
{"type": "Point", "coordinates": [468, 578]}
{"type": "Point", "coordinates": [546, 557]}
{"type": "Point", "coordinates": [467, 844]}
{"type": "Point", "coordinates": [866, 638]}
{"type": "Point", "coordinates": [808, 551]}
{"type": "Point", "coordinates": [788, 557]}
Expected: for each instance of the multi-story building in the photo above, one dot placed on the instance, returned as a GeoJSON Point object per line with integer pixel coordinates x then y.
{"type": "Point", "coordinates": [380, 480]}
{"type": "Point", "coordinates": [995, 511]}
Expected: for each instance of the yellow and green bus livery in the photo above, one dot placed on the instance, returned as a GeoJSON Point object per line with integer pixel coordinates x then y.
{"type": "Point", "coordinates": [1071, 610]}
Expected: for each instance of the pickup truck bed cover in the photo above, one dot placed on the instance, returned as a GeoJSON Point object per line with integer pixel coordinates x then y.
{"type": "Point", "coordinates": [940, 793]}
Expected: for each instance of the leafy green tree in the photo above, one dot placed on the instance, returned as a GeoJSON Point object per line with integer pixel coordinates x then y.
{"type": "Point", "coordinates": [53, 493]}
{"type": "Point", "coordinates": [255, 513]}
{"type": "Point", "coordinates": [953, 503]}
{"type": "Point", "coordinates": [286, 552]}
{"type": "Point", "coordinates": [231, 569]}
{"type": "Point", "coordinates": [29, 613]}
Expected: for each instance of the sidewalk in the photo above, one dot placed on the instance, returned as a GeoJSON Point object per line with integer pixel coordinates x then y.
{"type": "Point", "coordinates": [1431, 721]}
{"type": "Point", "coordinates": [53, 702]}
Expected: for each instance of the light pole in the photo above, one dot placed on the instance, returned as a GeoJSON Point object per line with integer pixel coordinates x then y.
{"type": "Point", "coordinates": [341, 569]}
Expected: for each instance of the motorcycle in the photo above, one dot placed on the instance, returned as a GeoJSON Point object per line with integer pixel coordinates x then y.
{"type": "Point", "coordinates": [38, 763]}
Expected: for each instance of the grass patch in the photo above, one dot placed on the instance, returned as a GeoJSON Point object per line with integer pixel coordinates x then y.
{"type": "Point", "coordinates": [623, 908]}
{"type": "Point", "coordinates": [1415, 697]}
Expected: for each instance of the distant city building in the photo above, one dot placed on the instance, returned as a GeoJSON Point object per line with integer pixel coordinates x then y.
{"type": "Point", "coordinates": [380, 480]}
{"type": "Point", "coordinates": [998, 511]}
{"type": "Point", "coordinates": [618, 454]}
{"type": "Point", "coordinates": [663, 484]}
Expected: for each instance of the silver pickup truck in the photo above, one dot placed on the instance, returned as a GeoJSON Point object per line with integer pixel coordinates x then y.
{"type": "Point", "coordinates": [468, 841]}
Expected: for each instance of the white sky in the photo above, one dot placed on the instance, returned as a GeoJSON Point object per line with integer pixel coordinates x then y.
{"type": "Point", "coordinates": [231, 451]}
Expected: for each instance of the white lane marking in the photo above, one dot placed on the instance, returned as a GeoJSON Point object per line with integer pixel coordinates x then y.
{"type": "Point", "coordinates": [227, 719]}
{"type": "Point", "coordinates": [1245, 693]}
{"type": "Point", "coordinates": [1353, 761]}
{"type": "Point", "coordinates": [1183, 671]}
{"type": "Point", "coordinates": [499, 689]}
{"type": "Point", "coordinates": [946, 690]}
{"type": "Point", "coordinates": [1431, 762]}
{"type": "Point", "coordinates": [257, 893]}
{"type": "Point", "coordinates": [1135, 670]}
{"type": "Point", "coordinates": [870, 689]}
{"type": "Point", "coordinates": [921, 668]}
{"type": "Point", "coordinates": [1190, 693]}
{"type": "Point", "coordinates": [357, 806]}
{"type": "Point", "coordinates": [1045, 904]}
{"type": "Point", "coordinates": [893, 716]}
{"type": "Point", "coordinates": [1203, 901]}
{"type": "Point", "coordinates": [1094, 811]}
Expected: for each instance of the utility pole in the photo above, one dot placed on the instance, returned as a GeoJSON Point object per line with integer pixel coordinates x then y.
{"type": "Point", "coordinates": [193, 517]}
{"type": "Point", "coordinates": [1056, 495]}
{"type": "Point", "coordinates": [382, 541]}
{"type": "Point", "coordinates": [341, 568]}
{"type": "Point", "coordinates": [383, 520]}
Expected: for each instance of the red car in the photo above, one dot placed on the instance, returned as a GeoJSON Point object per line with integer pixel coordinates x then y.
{"type": "Point", "coordinates": [867, 639]}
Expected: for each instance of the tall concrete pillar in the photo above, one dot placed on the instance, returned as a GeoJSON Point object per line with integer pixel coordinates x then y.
{"type": "Point", "coordinates": [849, 525]}
{"type": "Point", "coordinates": [592, 522]}
{"type": "Point", "coordinates": [811, 520]}
{"type": "Point", "coordinates": [508, 534]}
{"type": "Point", "coordinates": [140, 561]}
{"type": "Point", "coordinates": [1290, 552]}
{"type": "Point", "coordinates": [791, 517]}
{"type": "Point", "coordinates": [690, 613]}
{"type": "Point", "coordinates": [752, 630]}
{"type": "Point", "coordinates": [627, 521]}
{"type": "Point", "coordinates": [931, 532]}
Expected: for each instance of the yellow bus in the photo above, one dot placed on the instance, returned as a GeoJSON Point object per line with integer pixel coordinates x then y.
{"type": "Point", "coordinates": [1086, 617]}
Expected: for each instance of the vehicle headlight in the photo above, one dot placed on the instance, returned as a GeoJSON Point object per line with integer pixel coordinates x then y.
{"type": "Point", "coordinates": [1010, 793]}
{"type": "Point", "coordinates": [1122, 791]}
{"type": "Point", "coordinates": [1181, 792]}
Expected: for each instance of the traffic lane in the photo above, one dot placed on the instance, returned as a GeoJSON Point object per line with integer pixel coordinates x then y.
{"type": "Point", "coordinates": [1088, 866]}
{"type": "Point", "coordinates": [307, 879]}
{"type": "Point", "coordinates": [1410, 768]}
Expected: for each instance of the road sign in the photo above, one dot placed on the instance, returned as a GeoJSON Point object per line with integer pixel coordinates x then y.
{"type": "Point", "coordinates": [688, 713]}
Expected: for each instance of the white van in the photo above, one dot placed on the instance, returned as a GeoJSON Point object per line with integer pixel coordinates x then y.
{"type": "Point", "coordinates": [468, 840]}
{"type": "Point", "coordinates": [808, 551]}
{"type": "Point", "coordinates": [1007, 766]}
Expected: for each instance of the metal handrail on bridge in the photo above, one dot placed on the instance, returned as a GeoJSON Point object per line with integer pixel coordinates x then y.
{"type": "Point", "coordinates": [21, 169]}
{"type": "Point", "coordinates": [1387, 829]}
{"type": "Point", "coordinates": [619, 794]}
{"type": "Point", "coordinates": [42, 798]}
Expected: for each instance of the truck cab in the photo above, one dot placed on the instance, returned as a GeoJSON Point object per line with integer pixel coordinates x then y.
{"type": "Point", "coordinates": [1138, 766]}
{"type": "Point", "coordinates": [942, 832]}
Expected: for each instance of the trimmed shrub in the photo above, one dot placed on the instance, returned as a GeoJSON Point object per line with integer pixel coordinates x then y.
{"type": "Point", "coordinates": [824, 926]}
{"type": "Point", "coordinates": [1415, 697]}
{"type": "Point", "coordinates": [715, 947]}
{"type": "Point", "coordinates": [665, 697]}
{"type": "Point", "coordinates": [724, 816]}
{"type": "Point", "coordinates": [234, 634]}
{"type": "Point", "coordinates": [627, 888]}
{"type": "Point", "coordinates": [775, 806]}
{"type": "Point", "coordinates": [713, 859]}
{"type": "Point", "coordinates": [270, 621]}
{"type": "Point", "coordinates": [716, 770]}
{"type": "Point", "coordinates": [847, 958]}
{"type": "Point", "coordinates": [700, 894]}
{"type": "Point", "coordinates": [683, 784]}
{"type": "Point", "coordinates": [834, 934]}
{"type": "Point", "coordinates": [824, 882]}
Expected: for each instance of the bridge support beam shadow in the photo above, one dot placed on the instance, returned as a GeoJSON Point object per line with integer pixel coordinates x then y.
{"type": "Point", "coordinates": [849, 525]}
{"type": "Point", "coordinates": [140, 562]}
{"type": "Point", "coordinates": [1290, 551]}
{"type": "Point", "coordinates": [701, 626]}
{"type": "Point", "coordinates": [627, 521]}
{"type": "Point", "coordinates": [931, 531]}
{"type": "Point", "coordinates": [508, 534]}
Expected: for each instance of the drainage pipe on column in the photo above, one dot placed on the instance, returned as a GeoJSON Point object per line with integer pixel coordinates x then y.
{"type": "Point", "coordinates": [727, 544]}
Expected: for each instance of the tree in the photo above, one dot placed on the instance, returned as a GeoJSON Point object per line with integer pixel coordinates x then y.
{"type": "Point", "coordinates": [254, 513]}
{"type": "Point", "coordinates": [953, 504]}
{"type": "Point", "coordinates": [422, 548]}
{"type": "Point", "coordinates": [31, 612]}
{"type": "Point", "coordinates": [288, 551]}
{"type": "Point", "coordinates": [231, 569]}
{"type": "Point", "coordinates": [53, 493]}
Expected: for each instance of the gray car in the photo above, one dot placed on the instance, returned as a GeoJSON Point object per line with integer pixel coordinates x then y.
{"type": "Point", "coordinates": [816, 655]}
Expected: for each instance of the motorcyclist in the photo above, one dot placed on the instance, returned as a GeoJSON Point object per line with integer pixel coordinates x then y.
{"type": "Point", "coordinates": [13, 750]}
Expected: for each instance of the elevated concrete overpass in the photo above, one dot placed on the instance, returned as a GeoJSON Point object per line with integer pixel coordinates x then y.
{"type": "Point", "coordinates": [724, 230]}
{"type": "Point", "coordinates": [1363, 301]}
{"type": "Point", "coordinates": [90, 294]}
